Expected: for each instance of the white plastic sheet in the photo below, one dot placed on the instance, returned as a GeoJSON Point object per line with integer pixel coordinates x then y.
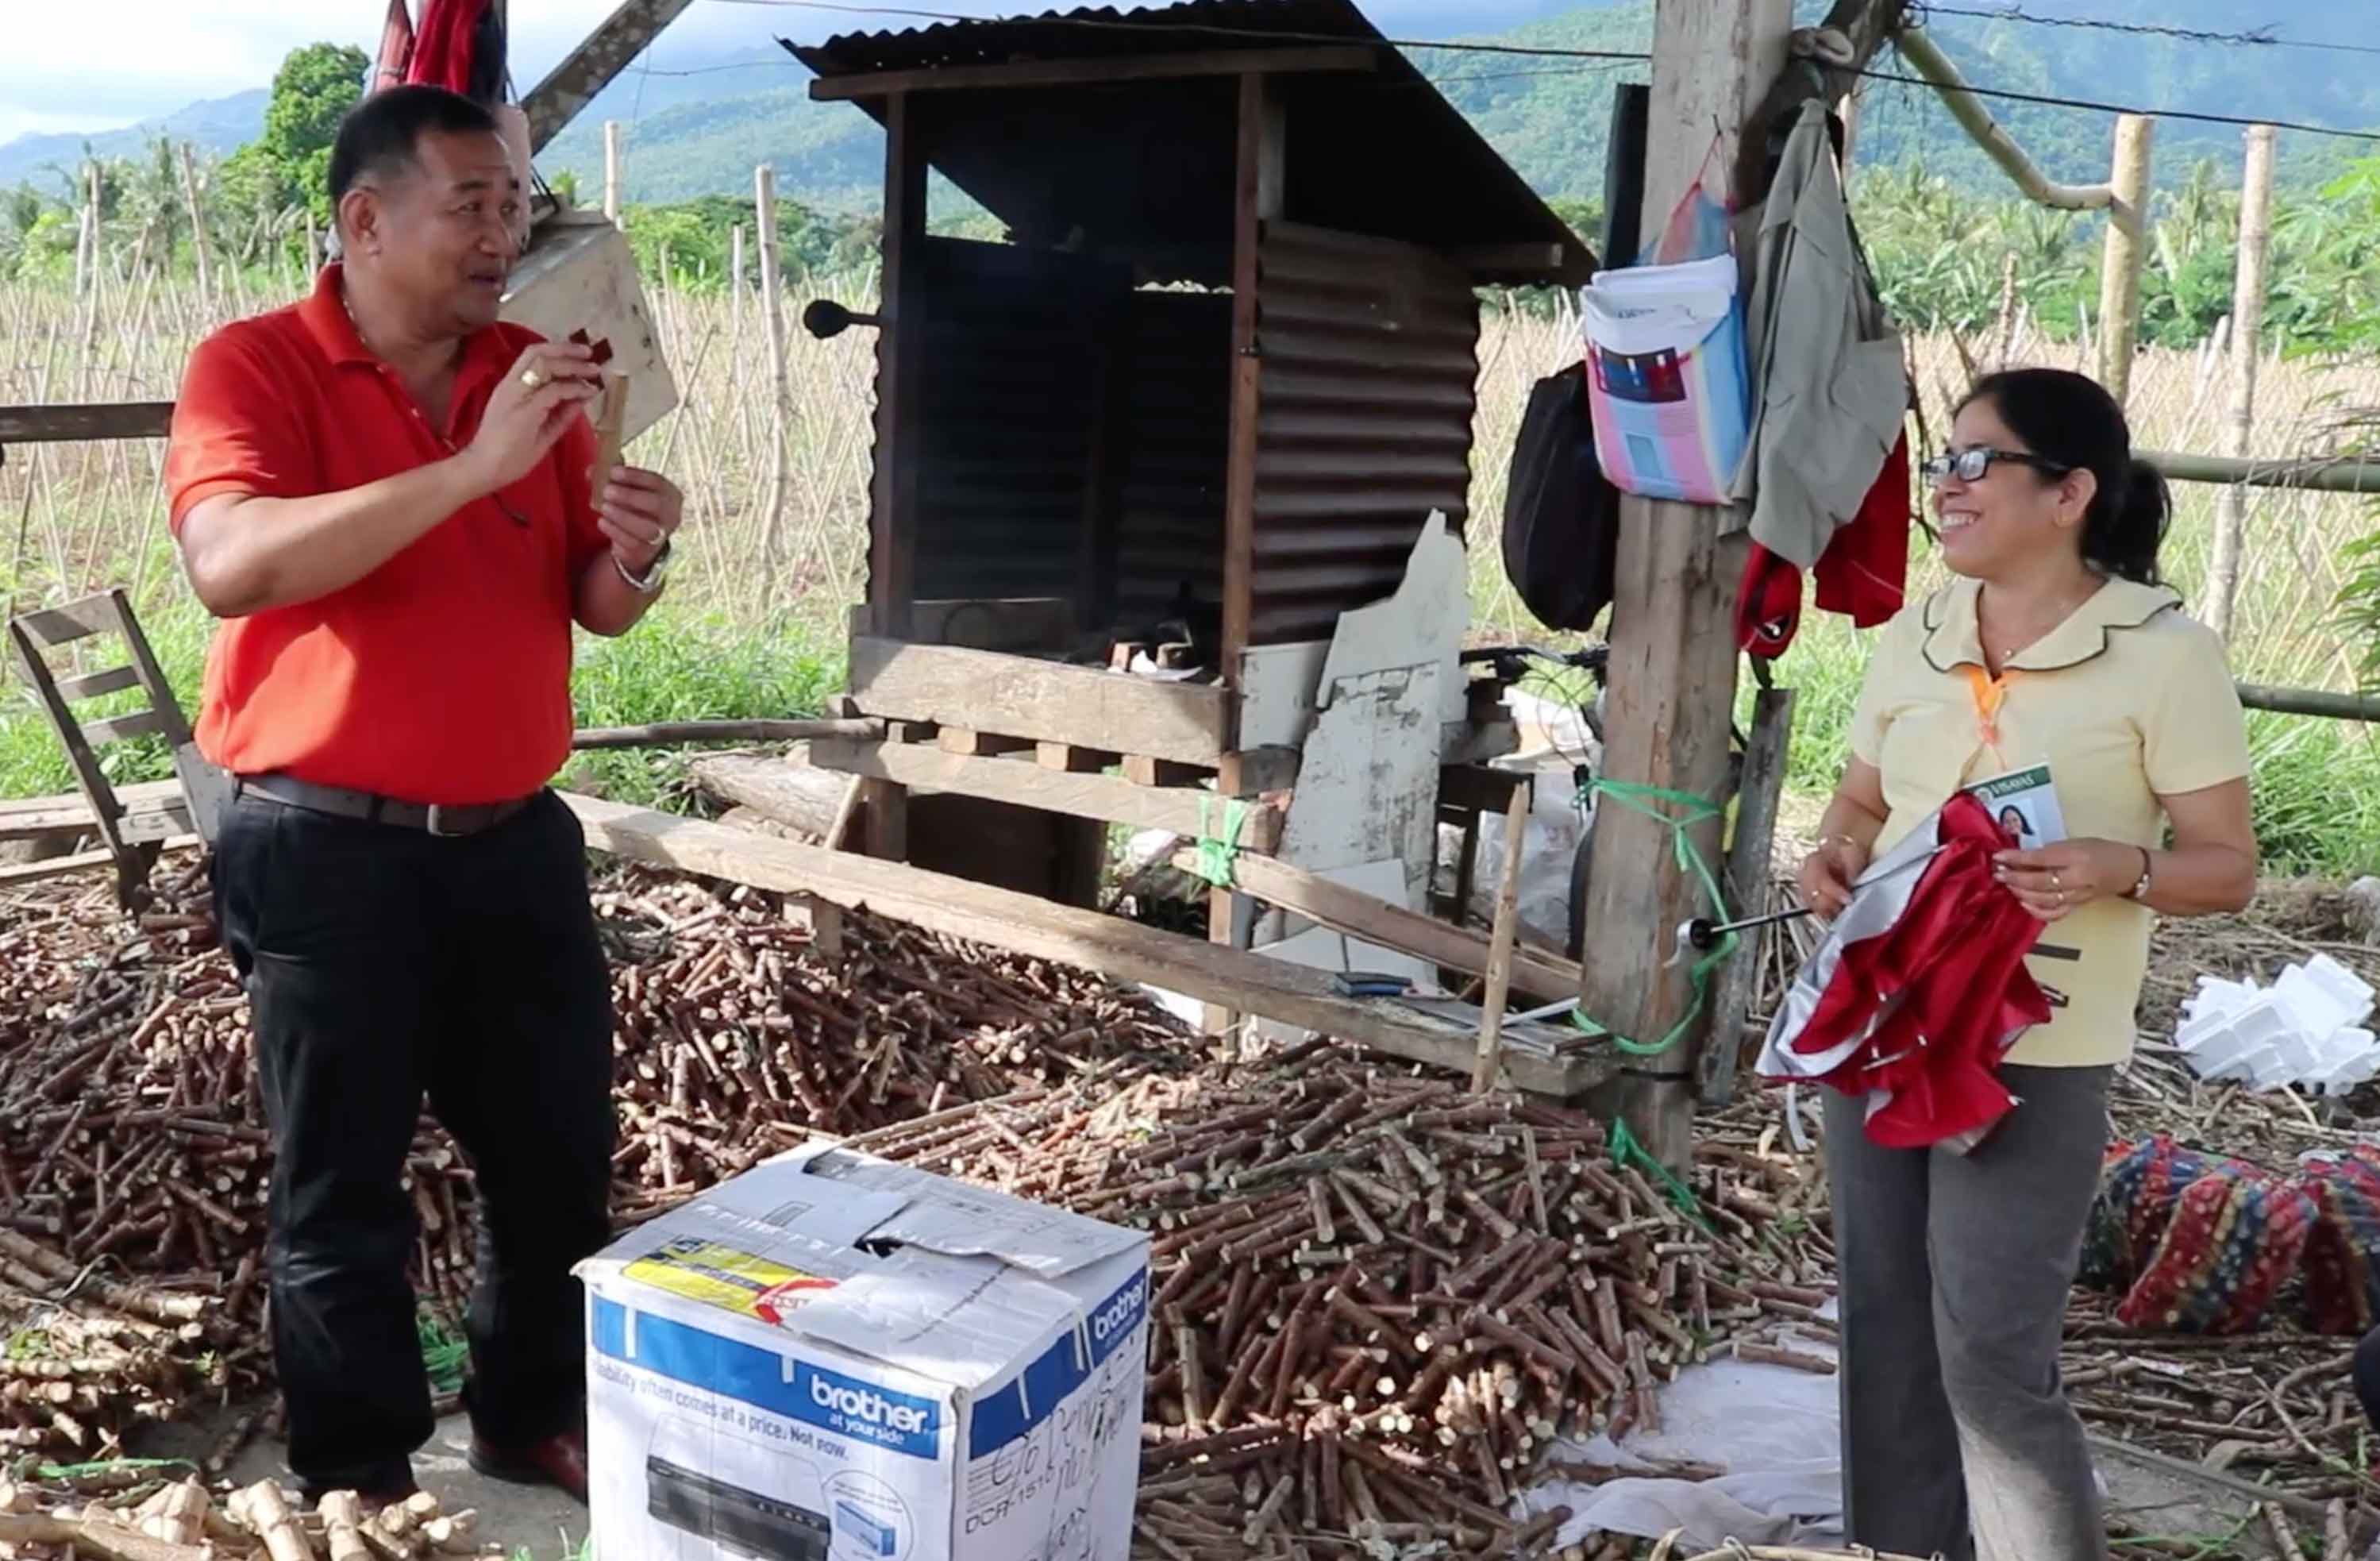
{"type": "Point", "coordinates": [1776, 1431]}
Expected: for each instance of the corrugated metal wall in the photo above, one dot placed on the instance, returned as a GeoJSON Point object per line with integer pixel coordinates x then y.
{"type": "Point", "coordinates": [1370, 359]}
{"type": "Point", "coordinates": [1007, 408]}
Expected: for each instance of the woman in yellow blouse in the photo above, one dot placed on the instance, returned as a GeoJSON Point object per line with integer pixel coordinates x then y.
{"type": "Point", "coordinates": [2057, 646]}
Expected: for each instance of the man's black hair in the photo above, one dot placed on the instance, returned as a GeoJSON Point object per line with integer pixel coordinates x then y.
{"type": "Point", "coordinates": [382, 135]}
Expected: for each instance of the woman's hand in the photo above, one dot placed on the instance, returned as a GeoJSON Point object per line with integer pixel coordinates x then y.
{"type": "Point", "coordinates": [2056, 881]}
{"type": "Point", "coordinates": [1830, 872]}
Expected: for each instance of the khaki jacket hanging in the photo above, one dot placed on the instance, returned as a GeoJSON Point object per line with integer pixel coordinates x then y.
{"type": "Point", "coordinates": [1828, 385]}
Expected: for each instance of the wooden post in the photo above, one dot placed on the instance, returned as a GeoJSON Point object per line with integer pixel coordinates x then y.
{"type": "Point", "coordinates": [2119, 277]}
{"type": "Point", "coordinates": [612, 170]}
{"type": "Point", "coordinates": [900, 370]}
{"type": "Point", "coordinates": [773, 318]}
{"type": "Point", "coordinates": [2247, 326]}
{"type": "Point", "coordinates": [1257, 200]}
{"type": "Point", "coordinates": [1673, 653]}
{"type": "Point", "coordinates": [1506, 929]}
{"type": "Point", "coordinates": [1749, 872]}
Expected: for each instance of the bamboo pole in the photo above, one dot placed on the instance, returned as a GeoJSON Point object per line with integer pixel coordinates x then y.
{"type": "Point", "coordinates": [2247, 326]}
{"type": "Point", "coordinates": [197, 224]}
{"type": "Point", "coordinates": [772, 316]}
{"type": "Point", "coordinates": [2119, 278]}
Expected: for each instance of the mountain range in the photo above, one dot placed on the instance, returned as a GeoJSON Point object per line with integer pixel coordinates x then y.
{"type": "Point", "coordinates": [701, 124]}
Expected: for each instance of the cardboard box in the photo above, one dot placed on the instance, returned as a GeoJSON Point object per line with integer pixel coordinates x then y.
{"type": "Point", "coordinates": [834, 1356]}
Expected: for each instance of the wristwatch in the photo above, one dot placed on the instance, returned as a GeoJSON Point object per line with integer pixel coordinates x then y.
{"type": "Point", "coordinates": [651, 580]}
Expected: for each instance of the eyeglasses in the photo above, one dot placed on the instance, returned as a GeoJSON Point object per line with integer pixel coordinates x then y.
{"type": "Point", "coordinates": [1972, 466]}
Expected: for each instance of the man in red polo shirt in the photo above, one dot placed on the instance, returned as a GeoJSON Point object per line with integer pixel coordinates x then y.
{"type": "Point", "coordinates": [386, 495]}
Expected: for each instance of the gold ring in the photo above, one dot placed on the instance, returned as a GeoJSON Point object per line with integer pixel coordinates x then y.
{"type": "Point", "coordinates": [532, 379]}
{"type": "Point", "coordinates": [2057, 884]}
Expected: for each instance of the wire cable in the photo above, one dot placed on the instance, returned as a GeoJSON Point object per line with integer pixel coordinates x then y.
{"type": "Point", "coordinates": [2262, 37]}
{"type": "Point", "coordinates": [1540, 51]}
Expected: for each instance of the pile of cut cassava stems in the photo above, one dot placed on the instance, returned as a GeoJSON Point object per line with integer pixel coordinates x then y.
{"type": "Point", "coordinates": [119, 1516]}
{"type": "Point", "coordinates": [133, 1162]}
{"type": "Point", "coordinates": [1380, 1298]}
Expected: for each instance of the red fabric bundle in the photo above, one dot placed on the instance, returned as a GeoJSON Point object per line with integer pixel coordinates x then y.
{"type": "Point", "coordinates": [395, 48]}
{"type": "Point", "coordinates": [443, 56]}
{"type": "Point", "coordinates": [1921, 988]}
{"type": "Point", "coordinates": [1863, 574]}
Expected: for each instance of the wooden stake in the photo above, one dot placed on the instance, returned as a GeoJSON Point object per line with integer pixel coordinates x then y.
{"type": "Point", "coordinates": [2247, 327]}
{"type": "Point", "coordinates": [1749, 872]}
{"type": "Point", "coordinates": [1499, 942]}
{"type": "Point", "coordinates": [612, 170]}
{"type": "Point", "coordinates": [197, 220]}
{"type": "Point", "coordinates": [2119, 279]}
{"type": "Point", "coordinates": [1673, 649]}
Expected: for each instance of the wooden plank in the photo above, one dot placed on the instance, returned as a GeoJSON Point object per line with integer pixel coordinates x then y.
{"type": "Point", "coordinates": [1066, 759]}
{"type": "Point", "coordinates": [82, 862]}
{"type": "Point", "coordinates": [1048, 700]}
{"type": "Point", "coordinates": [1749, 870]}
{"type": "Point", "coordinates": [1673, 653]}
{"type": "Point", "coordinates": [144, 663]}
{"type": "Point", "coordinates": [967, 741]}
{"type": "Point", "coordinates": [1257, 200]}
{"type": "Point", "coordinates": [115, 728]}
{"type": "Point", "coordinates": [36, 818]}
{"type": "Point", "coordinates": [1373, 920]}
{"type": "Point", "coordinates": [1479, 787]}
{"type": "Point", "coordinates": [76, 620]}
{"type": "Point", "coordinates": [587, 69]}
{"type": "Point", "coordinates": [90, 685]}
{"type": "Point", "coordinates": [1100, 71]}
{"type": "Point", "coordinates": [1003, 919]}
{"type": "Point", "coordinates": [1142, 770]}
{"type": "Point", "coordinates": [86, 420]}
{"type": "Point", "coordinates": [803, 796]}
{"type": "Point", "coordinates": [1103, 799]}
{"type": "Point", "coordinates": [900, 365]}
{"type": "Point", "coordinates": [664, 733]}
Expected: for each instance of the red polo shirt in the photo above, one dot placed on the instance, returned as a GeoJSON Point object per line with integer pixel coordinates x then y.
{"type": "Point", "coordinates": [443, 675]}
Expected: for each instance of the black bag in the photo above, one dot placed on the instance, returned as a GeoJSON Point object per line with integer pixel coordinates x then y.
{"type": "Point", "coordinates": [1562, 516]}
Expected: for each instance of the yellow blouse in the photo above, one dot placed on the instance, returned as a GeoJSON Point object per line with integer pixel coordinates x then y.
{"type": "Point", "coordinates": [2128, 701]}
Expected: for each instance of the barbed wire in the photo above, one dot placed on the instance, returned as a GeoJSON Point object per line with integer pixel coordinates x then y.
{"type": "Point", "coordinates": [2264, 37]}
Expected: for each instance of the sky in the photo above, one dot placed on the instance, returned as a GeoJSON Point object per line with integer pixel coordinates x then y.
{"type": "Point", "coordinates": [60, 72]}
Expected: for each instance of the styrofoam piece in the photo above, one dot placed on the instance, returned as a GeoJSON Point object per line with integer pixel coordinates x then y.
{"type": "Point", "coordinates": [2324, 995]}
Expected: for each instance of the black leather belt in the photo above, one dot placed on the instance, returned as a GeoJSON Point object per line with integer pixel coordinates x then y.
{"type": "Point", "coordinates": [369, 808]}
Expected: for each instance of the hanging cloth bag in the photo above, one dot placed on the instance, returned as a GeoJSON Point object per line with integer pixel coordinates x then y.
{"type": "Point", "coordinates": [1668, 383]}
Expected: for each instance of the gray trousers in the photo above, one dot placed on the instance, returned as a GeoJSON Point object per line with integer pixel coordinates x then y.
{"type": "Point", "coordinates": [1958, 1439]}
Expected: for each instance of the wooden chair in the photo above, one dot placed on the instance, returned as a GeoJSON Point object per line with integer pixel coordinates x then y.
{"type": "Point", "coordinates": [132, 835]}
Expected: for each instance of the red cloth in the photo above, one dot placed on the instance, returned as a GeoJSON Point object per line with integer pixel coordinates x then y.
{"type": "Point", "coordinates": [1863, 574]}
{"type": "Point", "coordinates": [1936, 999]}
{"type": "Point", "coordinates": [442, 57]}
{"type": "Point", "coordinates": [395, 48]}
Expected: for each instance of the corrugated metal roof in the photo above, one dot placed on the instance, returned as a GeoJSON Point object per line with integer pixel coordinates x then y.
{"type": "Point", "coordinates": [1146, 167]}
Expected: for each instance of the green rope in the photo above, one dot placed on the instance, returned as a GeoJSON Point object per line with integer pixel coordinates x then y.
{"type": "Point", "coordinates": [1627, 1151]}
{"type": "Point", "coordinates": [1214, 852]}
{"type": "Point", "coordinates": [1656, 802]}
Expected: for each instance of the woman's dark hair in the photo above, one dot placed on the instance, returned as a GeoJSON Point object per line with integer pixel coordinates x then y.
{"type": "Point", "coordinates": [2071, 420]}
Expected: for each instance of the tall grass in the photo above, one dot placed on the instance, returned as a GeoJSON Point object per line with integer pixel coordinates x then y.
{"type": "Point", "coordinates": [753, 624]}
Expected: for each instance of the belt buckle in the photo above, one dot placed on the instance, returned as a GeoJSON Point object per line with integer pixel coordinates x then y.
{"type": "Point", "coordinates": [437, 823]}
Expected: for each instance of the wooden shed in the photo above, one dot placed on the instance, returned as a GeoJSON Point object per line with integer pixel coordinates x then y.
{"type": "Point", "coordinates": [1133, 465]}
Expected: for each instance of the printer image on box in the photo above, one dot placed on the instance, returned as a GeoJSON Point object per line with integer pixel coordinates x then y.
{"type": "Point", "coordinates": [833, 1357]}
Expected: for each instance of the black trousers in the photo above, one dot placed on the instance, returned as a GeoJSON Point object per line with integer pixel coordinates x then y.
{"type": "Point", "coordinates": [382, 964]}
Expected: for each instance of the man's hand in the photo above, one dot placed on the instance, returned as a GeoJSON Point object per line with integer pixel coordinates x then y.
{"type": "Point", "coordinates": [2056, 881]}
{"type": "Point", "coordinates": [531, 410]}
{"type": "Point", "coordinates": [639, 510]}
